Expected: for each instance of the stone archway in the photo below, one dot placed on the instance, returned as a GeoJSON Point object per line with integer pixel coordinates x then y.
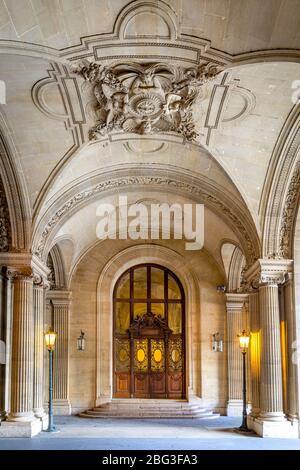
{"type": "Point", "coordinates": [110, 274]}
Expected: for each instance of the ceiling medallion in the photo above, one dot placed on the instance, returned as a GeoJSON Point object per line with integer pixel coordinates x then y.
{"type": "Point", "coordinates": [145, 98]}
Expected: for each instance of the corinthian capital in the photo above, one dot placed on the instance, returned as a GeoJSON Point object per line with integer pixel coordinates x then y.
{"type": "Point", "coordinates": [269, 272]}
{"type": "Point", "coordinates": [20, 273]}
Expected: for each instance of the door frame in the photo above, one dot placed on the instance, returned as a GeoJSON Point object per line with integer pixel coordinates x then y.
{"type": "Point", "coordinates": [167, 271]}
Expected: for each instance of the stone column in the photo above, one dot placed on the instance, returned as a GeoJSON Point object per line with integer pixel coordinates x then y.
{"type": "Point", "coordinates": [61, 314]}
{"type": "Point", "coordinates": [271, 368]}
{"type": "Point", "coordinates": [2, 347]}
{"type": "Point", "coordinates": [236, 322]}
{"type": "Point", "coordinates": [254, 352]}
{"type": "Point", "coordinates": [21, 420]}
{"type": "Point", "coordinates": [271, 421]}
{"type": "Point", "coordinates": [39, 347]}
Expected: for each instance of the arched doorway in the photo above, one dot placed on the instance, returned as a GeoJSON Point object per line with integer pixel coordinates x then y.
{"type": "Point", "coordinates": [149, 334]}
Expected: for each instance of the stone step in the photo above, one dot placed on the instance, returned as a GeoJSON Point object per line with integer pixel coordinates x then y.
{"type": "Point", "coordinates": [149, 416]}
{"type": "Point", "coordinates": [143, 408]}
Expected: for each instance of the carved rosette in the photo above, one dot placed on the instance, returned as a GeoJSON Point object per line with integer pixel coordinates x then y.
{"type": "Point", "coordinates": [145, 98]}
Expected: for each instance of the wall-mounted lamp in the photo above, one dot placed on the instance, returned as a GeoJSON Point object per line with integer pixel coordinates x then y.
{"type": "Point", "coordinates": [221, 289]}
{"type": "Point", "coordinates": [81, 342]}
{"type": "Point", "coordinates": [217, 343]}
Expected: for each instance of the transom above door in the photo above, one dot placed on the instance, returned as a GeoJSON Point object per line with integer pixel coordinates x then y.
{"type": "Point", "coordinates": [149, 339]}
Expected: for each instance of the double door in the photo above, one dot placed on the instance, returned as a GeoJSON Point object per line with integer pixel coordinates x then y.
{"type": "Point", "coordinates": [149, 371]}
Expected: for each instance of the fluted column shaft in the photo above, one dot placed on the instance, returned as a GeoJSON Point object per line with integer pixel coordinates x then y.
{"type": "Point", "coordinates": [22, 350]}
{"type": "Point", "coordinates": [271, 402]}
{"type": "Point", "coordinates": [2, 347]}
{"type": "Point", "coordinates": [38, 384]}
{"type": "Point", "coordinates": [255, 352]}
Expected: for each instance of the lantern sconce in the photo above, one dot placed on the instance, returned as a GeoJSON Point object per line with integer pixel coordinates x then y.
{"type": "Point", "coordinates": [81, 342]}
{"type": "Point", "coordinates": [221, 289]}
{"type": "Point", "coordinates": [217, 343]}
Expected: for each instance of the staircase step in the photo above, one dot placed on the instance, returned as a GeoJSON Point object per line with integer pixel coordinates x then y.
{"type": "Point", "coordinates": [149, 409]}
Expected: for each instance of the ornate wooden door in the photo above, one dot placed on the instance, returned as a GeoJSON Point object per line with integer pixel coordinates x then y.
{"type": "Point", "coordinates": [149, 322]}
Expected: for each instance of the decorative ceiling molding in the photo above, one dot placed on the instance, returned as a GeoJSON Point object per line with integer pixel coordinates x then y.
{"type": "Point", "coordinates": [168, 43]}
{"type": "Point", "coordinates": [150, 149]}
{"type": "Point", "coordinates": [68, 94]}
{"type": "Point", "coordinates": [224, 204]}
{"type": "Point", "coordinates": [279, 188]}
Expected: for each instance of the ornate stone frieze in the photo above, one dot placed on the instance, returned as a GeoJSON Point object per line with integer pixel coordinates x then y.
{"type": "Point", "coordinates": [145, 98]}
{"type": "Point", "coordinates": [111, 184]}
{"type": "Point", "coordinates": [5, 229]}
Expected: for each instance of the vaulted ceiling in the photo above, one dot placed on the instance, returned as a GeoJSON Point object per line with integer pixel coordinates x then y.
{"type": "Point", "coordinates": [239, 118]}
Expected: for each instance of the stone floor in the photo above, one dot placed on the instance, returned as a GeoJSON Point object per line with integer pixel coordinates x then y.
{"type": "Point", "coordinates": [125, 434]}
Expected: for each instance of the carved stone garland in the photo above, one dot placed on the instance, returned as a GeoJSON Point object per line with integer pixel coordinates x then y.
{"type": "Point", "coordinates": [145, 98]}
{"type": "Point", "coordinates": [5, 228]}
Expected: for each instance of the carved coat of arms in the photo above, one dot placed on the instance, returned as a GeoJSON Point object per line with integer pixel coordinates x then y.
{"type": "Point", "coordinates": [145, 98]}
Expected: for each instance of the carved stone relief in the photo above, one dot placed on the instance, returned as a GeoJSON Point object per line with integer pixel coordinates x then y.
{"type": "Point", "coordinates": [51, 275]}
{"type": "Point", "coordinates": [145, 98]}
{"type": "Point", "coordinates": [5, 228]}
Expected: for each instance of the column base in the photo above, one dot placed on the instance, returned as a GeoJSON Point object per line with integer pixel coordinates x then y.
{"type": "Point", "coordinates": [278, 428]}
{"type": "Point", "coordinates": [62, 407]}
{"type": "Point", "coordinates": [20, 428]}
{"type": "Point", "coordinates": [44, 420]}
{"type": "Point", "coordinates": [235, 408]}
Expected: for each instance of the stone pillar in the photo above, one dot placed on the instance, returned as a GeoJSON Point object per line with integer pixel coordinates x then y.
{"type": "Point", "coordinates": [236, 323]}
{"type": "Point", "coordinates": [254, 352]}
{"type": "Point", "coordinates": [8, 341]}
{"type": "Point", "coordinates": [21, 420]}
{"type": "Point", "coordinates": [2, 346]}
{"type": "Point", "coordinates": [39, 347]}
{"type": "Point", "coordinates": [61, 314]}
{"type": "Point", "coordinates": [271, 368]}
{"type": "Point", "coordinates": [271, 421]}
